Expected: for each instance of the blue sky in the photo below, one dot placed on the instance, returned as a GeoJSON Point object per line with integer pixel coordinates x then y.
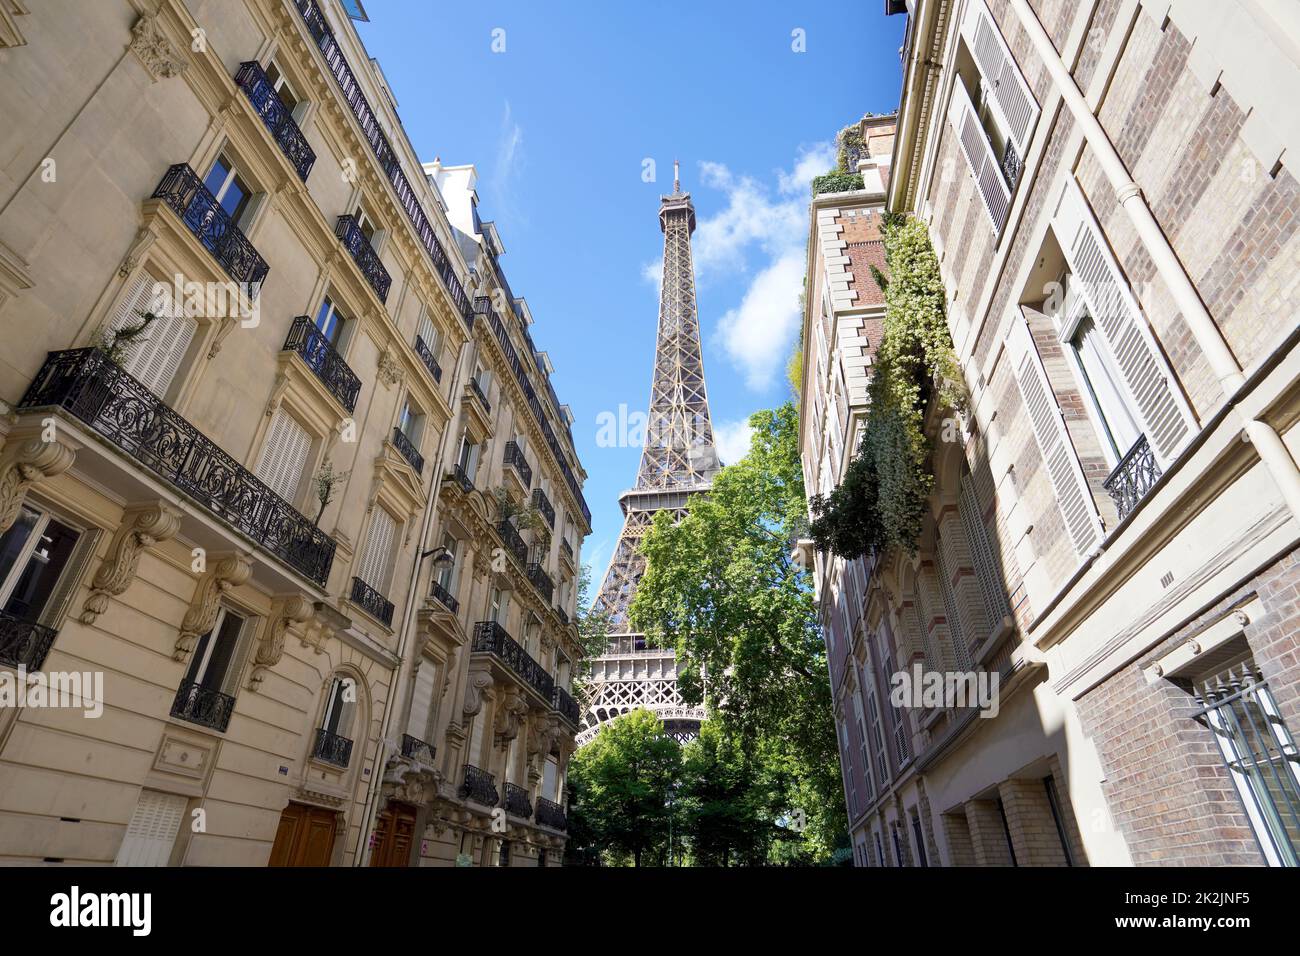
{"type": "Point", "coordinates": [560, 124]}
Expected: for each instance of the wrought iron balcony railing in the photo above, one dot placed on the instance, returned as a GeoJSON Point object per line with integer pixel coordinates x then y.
{"type": "Point", "coordinates": [513, 541]}
{"type": "Point", "coordinates": [479, 786]}
{"type": "Point", "coordinates": [426, 356]}
{"type": "Point", "coordinates": [542, 581]}
{"type": "Point", "coordinates": [566, 548]}
{"type": "Point", "coordinates": [551, 814]}
{"type": "Point", "coordinates": [477, 389]}
{"type": "Point", "coordinates": [514, 457]}
{"type": "Point", "coordinates": [442, 595]}
{"type": "Point", "coordinates": [252, 79]}
{"type": "Point", "coordinates": [544, 506]}
{"type": "Point", "coordinates": [408, 450]}
{"type": "Point", "coordinates": [1133, 477]}
{"type": "Point", "coordinates": [416, 749]}
{"type": "Point", "coordinates": [184, 193]}
{"type": "Point", "coordinates": [24, 643]}
{"type": "Point", "coordinates": [490, 637]}
{"type": "Point", "coordinates": [517, 802]}
{"type": "Point", "coordinates": [323, 359]}
{"type": "Point", "coordinates": [407, 198]}
{"type": "Point", "coordinates": [364, 255]}
{"type": "Point", "coordinates": [88, 385]}
{"type": "Point", "coordinates": [372, 602]}
{"type": "Point", "coordinates": [459, 475]}
{"type": "Point", "coordinates": [563, 614]}
{"type": "Point", "coordinates": [566, 705]}
{"type": "Point", "coordinates": [1011, 165]}
{"type": "Point", "coordinates": [332, 748]}
{"type": "Point", "coordinates": [203, 706]}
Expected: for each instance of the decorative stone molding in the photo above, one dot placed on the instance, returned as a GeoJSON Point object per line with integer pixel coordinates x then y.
{"type": "Point", "coordinates": [15, 273]}
{"type": "Point", "coordinates": [143, 526]}
{"type": "Point", "coordinates": [139, 246]}
{"type": "Point", "coordinates": [478, 687]}
{"type": "Point", "coordinates": [228, 572]}
{"type": "Point", "coordinates": [158, 54]}
{"type": "Point", "coordinates": [290, 614]}
{"type": "Point", "coordinates": [23, 466]}
{"type": "Point", "coordinates": [513, 709]}
{"type": "Point", "coordinates": [390, 371]}
{"type": "Point", "coordinates": [327, 621]}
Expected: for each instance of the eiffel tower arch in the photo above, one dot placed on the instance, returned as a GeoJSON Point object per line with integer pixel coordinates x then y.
{"type": "Point", "coordinates": [678, 460]}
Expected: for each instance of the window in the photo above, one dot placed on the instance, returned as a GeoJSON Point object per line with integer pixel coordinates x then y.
{"type": "Point", "coordinates": [423, 700]}
{"type": "Point", "coordinates": [483, 377]}
{"type": "Point", "coordinates": [1116, 424]}
{"type": "Point", "coordinates": [152, 830]}
{"type": "Point", "coordinates": [284, 456]}
{"type": "Point", "coordinates": [541, 857]}
{"type": "Point", "coordinates": [900, 858]}
{"type": "Point", "coordinates": [331, 322]}
{"type": "Point", "coordinates": [1006, 831]}
{"type": "Point", "coordinates": [503, 859]}
{"type": "Point", "coordinates": [877, 738]}
{"type": "Point", "coordinates": [919, 837]}
{"type": "Point", "coordinates": [375, 568]}
{"type": "Point", "coordinates": [214, 657]}
{"type": "Point", "coordinates": [40, 561]}
{"type": "Point", "coordinates": [447, 575]}
{"type": "Point", "coordinates": [468, 457]}
{"type": "Point", "coordinates": [499, 606]}
{"type": "Point", "coordinates": [862, 738]}
{"type": "Point", "coordinates": [880, 848]}
{"type": "Point", "coordinates": [1054, 803]}
{"type": "Point", "coordinates": [550, 779]}
{"type": "Point", "coordinates": [411, 423]}
{"type": "Point", "coordinates": [154, 358]}
{"type": "Point", "coordinates": [231, 191]}
{"type": "Point", "coordinates": [340, 706]}
{"type": "Point", "coordinates": [365, 224]}
{"type": "Point", "coordinates": [283, 90]}
{"type": "Point", "coordinates": [426, 330]}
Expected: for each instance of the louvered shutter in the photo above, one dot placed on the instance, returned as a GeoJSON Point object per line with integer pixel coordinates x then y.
{"type": "Point", "coordinates": [550, 778]}
{"type": "Point", "coordinates": [284, 455]}
{"type": "Point", "coordinates": [1072, 492]}
{"type": "Point", "coordinates": [422, 701]}
{"type": "Point", "coordinates": [155, 359]}
{"type": "Point", "coordinates": [152, 830]}
{"type": "Point", "coordinates": [1010, 94]}
{"type": "Point", "coordinates": [975, 146]}
{"type": "Point", "coordinates": [1166, 419]}
{"type": "Point", "coordinates": [981, 550]}
{"type": "Point", "coordinates": [427, 332]}
{"type": "Point", "coordinates": [379, 547]}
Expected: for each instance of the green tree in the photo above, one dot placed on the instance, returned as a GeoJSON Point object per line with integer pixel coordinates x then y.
{"type": "Point", "coordinates": [725, 807]}
{"type": "Point", "coordinates": [593, 633]}
{"type": "Point", "coordinates": [620, 789]}
{"type": "Point", "coordinates": [721, 587]}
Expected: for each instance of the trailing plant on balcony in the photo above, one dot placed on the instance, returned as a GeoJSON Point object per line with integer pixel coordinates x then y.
{"type": "Point", "coordinates": [326, 481]}
{"type": "Point", "coordinates": [117, 343]}
{"type": "Point", "coordinates": [836, 182]}
{"type": "Point", "coordinates": [849, 146]}
{"type": "Point", "coordinates": [880, 503]}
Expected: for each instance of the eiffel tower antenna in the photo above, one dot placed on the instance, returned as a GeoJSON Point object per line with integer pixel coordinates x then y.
{"type": "Point", "coordinates": [678, 460]}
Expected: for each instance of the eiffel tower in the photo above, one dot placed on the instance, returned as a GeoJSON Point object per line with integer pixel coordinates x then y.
{"type": "Point", "coordinates": [678, 460]}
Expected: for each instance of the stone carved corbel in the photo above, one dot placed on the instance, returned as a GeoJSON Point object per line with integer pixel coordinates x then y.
{"type": "Point", "coordinates": [390, 371]}
{"type": "Point", "coordinates": [143, 526]}
{"type": "Point", "coordinates": [513, 709]}
{"type": "Point", "coordinates": [28, 463]}
{"type": "Point", "coordinates": [292, 614]}
{"type": "Point", "coordinates": [479, 686]}
{"type": "Point", "coordinates": [325, 623]}
{"type": "Point", "coordinates": [158, 54]}
{"type": "Point", "coordinates": [228, 572]}
{"type": "Point", "coordinates": [144, 238]}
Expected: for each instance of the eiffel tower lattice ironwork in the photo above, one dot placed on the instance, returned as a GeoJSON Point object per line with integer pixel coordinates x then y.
{"type": "Point", "coordinates": [678, 460]}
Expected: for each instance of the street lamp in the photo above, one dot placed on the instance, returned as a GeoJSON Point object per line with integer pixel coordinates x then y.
{"type": "Point", "coordinates": [442, 559]}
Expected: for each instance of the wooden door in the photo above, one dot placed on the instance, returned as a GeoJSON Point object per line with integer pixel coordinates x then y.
{"type": "Point", "coordinates": [305, 836]}
{"type": "Point", "coordinates": [394, 834]}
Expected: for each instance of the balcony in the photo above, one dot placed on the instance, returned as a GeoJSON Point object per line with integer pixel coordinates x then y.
{"type": "Point", "coordinates": [443, 596]}
{"type": "Point", "coordinates": [413, 748]}
{"type": "Point", "coordinates": [563, 615]}
{"type": "Point", "coordinates": [331, 748]}
{"type": "Point", "coordinates": [479, 786]}
{"type": "Point", "coordinates": [24, 643]}
{"type": "Point", "coordinates": [517, 802]}
{"type": "Point", "coordinates": [542, 581]}
{"type": "Point", "coordinates": [426, 356]}
{"type": "Point", "coordinates": [477, 389]}
{"type": "Point", "coordinates": [461, 477]}
{"type": "Point", "coordinates": [408, 450]}
{"type": "Point", "coordinates": [491, 638]}
{"type": "Point", "coordinates": [551, 814]}
{"type": "Point", "coordinates": [252, 80]}
{"type": "Point", "coordinates": [566, 549]}
{"type": "Point", "coordinates": [513, 541]}
{"type": "Point", "coordinates": [514, 456]}
{"type": "Point", "coordinates": [566, 705]}
{"type": "Point", "coordinates": [336, 65]}
{"type": "Point", "coordinates": [183, 192]}
{"type": "Point", "coordinates": [204, 706]}
{"type": "Point", "coordinates": [372, 602]}
{"type": "Point", "coordinates": [323, 359]}
{"type": "Point", "coordinates": [544, 507]}
{"type": "Point", "coordinates": [1133, 477]}
{"type": "Point", "coordinates": [86, 384]}
{"type": "Point", "coordinates": [364, 255]}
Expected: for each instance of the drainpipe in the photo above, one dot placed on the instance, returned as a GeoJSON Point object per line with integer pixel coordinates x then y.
{"type": "Point", "coordinates": [362, 855]}
{"type": "Point", "coordinates": [1268, 444]}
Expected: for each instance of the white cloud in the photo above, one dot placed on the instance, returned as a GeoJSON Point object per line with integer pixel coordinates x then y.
{"type": "Point", "coordinates": [507, 165]}
{"type": "Point", "coordinates": [732, 440]}
{"type": "Point", "coordinates": [771, 225]}
{"type": "Point", "coordinates": [653, 272]}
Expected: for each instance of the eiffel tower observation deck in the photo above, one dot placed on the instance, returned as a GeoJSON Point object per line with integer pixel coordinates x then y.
{"type": "Point", "coordinates": [678, 460]}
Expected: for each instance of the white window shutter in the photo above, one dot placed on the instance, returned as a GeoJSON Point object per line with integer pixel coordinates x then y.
{"type": "Point", "coordinates": [379, 547]}
{"type": "Point", "coordinates": [155, 359]}
{"type": "Point", "coordinates": [550, 778]}
{"type": "Point", "coordinates": [422, 700]}
{"type": "Point", "coordinates": [1011, 96]}
{"type": "Point", "coordinates": [975, 147]}
{"type": "Point", "coordinates": [1072, 492]}
{"type": "Point", "coordinates": [284, 455]}
{"type": "Point", "coordinates": [152, 830]}
{"type": "Point", "coordinates": [1166, 418]}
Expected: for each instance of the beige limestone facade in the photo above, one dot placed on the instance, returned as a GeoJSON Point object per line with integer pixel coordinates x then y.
{"type": "Point", "coordinates": [1109, 186]}
{"type": "Point", "coordinates": [283, 480]}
